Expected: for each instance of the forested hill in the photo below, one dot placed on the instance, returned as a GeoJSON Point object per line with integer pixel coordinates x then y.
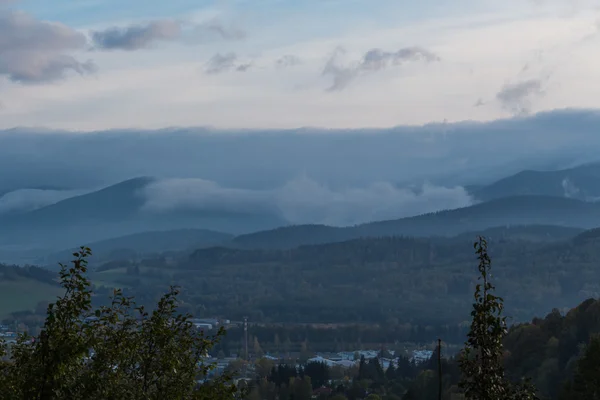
{"type": "Point", "coordinates": [371, 280]}
{"type": "Point", "coordinates": [521, 210]}
{"type": "Point", "coordinates": [146, 243]}
{"type": "Point", "coordinates": [402, 250]}
{"type": "Point", "coordinates": [547, 349]}
{"type": "Point", "coordinates": [424, 280]}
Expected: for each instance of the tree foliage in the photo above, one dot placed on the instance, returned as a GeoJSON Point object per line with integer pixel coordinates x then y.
{"type": "Point", "coordinates": [120, 351]}
{"type": "Point", "coordinates": [482, 359]}
{"type": "Point", "coordinates": [585, 384]}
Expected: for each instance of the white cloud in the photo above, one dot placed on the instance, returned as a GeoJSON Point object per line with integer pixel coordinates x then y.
{"type": "Point", "coordinates": [304, 200]}
{"type": "Point", "coordinates": [307, 201]}
{"type": "Point", "coordinates": [443, 153]}
{"type": "Point", "coordinates": [517, 97]}
{"type": "Point", "coordinates": [34, 51]}
{"type": "Point", "coordinates": [373, 60]}
{"type": "Point", "coordinates": [168, 87]}
{"type": "Point", "coordinates": [570, 189]}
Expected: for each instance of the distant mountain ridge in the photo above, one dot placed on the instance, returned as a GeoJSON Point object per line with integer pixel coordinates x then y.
{"type": "Point", "coordinates": [559, 198]}
{"type": "Point", "coordinates": [147, 243]}
{"type": "Point", "coordinates": [581, 182]}
{"type": "Point", "coordinates": [518, 210]}
{"type": "Point", "coordinates": [384, 248]}
{"type": "Point", "coordinates": [115, 211]}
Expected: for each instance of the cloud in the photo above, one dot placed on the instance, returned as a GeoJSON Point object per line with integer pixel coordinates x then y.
{"type": "Point", "coordinates": [342, 76]}
{"type": "Point", "coordinates": [143, 36]}
{"type": "Point", "coordinates": [225, 62]}
{"type": "Point", "coordinates": [218, 28]}
{"type": "Point", "coordinates": [305, 200]}
{"type": "Point", "coordinates": [475, 64]}
{"type": "Point", "coordinates": [243, 67]}
{"type": "Point", "coordinates": [373, 60]}
{"type": "Point", "coordinates": [30, 199]}
{"type": "Point", "coordinates": [195, 193]}
{"type": "Point", "coordinates": [137, 37]}
{"type": "Point", "coordinates": [33, 51]}
{"type": "Point", "coordinates": [516, 98]}
{"type": "Point", "coordinates": [220, 63]}
{"type": "Point", "coordinates": [570, 189]}
{"type": "Point", "coordinates": [376, 59]}
{"type": "Point", "coordinates": [443, 154]}
{"type": "Point", "coordinates": [288, 60]}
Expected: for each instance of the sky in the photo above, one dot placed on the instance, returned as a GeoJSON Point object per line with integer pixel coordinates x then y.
{"type": "Point", "coordinates": [270, 64]}
{"type": "Point", "coordinates": [329, 111]}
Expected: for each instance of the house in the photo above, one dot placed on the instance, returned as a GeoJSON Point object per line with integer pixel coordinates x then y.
{"type": "Point", "coordinates": [203, 326]}
{"type": "Point", "coordinates": [421, 356]}
{"type": "Point", "coordinates": [350, 355]}
{"type": "Point", "coordinates": [210, 321]}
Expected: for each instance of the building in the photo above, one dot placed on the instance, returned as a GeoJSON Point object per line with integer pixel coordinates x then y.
{"type": "Point", "coordinates": [210, 321]}
{"type": "Point", "coordinates": [203, 326]}
{"type": "Point", "coordinates": [420, 356]}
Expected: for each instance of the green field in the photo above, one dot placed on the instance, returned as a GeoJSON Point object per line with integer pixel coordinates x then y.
{"type": "Point", "coordinates": [24, 294]}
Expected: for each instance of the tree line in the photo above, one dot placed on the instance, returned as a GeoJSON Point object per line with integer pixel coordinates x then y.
{"type": "Point", "coordinates": [382, 281]}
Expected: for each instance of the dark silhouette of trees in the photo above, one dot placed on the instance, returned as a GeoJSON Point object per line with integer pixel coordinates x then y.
{"type": "Point", "coordinates": [482, 359]}
{"type": "Point", "coordinates": [120, 351]}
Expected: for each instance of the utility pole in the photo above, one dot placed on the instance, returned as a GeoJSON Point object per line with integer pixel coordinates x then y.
{"type": "Point", "coordinates": [246, 346]}
{"type": "Point", "coordinates": [246, 336]}
{"type": "Point", "coordinates": [440, 368]}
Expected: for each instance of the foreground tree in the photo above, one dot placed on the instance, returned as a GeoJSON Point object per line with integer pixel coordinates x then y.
{"type": "Point", "coordinates": [117, 352]}
{"type": "Point", "coordinates": [585, 384]}
{"type": "Point", "coordinates": [481, 362]}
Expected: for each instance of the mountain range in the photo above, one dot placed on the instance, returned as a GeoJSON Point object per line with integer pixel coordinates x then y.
{"type": "Point", "coordinates": [517, 210]}
{"type": "Point", "coordinates": [581, 182]}
{"type": "Point", "coordinates": [116, 218]}
{"type": "Point", "coordinates": [115, 211]}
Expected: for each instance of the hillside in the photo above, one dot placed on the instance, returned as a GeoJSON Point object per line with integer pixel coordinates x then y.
{"type": "Point", "coordinates": [520, 210]}
{"type": "Point", "coordinates": [559, 198]}
{"type": "Point", "coordinates": [112, 203]}
{"type": "Point", "coordinates": [146, 243]}
{"type": "Point", "coordinates": [533, 233]}
{"type": "Point", "coordinates": [581, 182]}
{"type": "Point", "coordinates": [369, 280]}
{"type": "Point", "coordinates": [116, 211]}
{"type": "Point", "coordinates": [546, 349]}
